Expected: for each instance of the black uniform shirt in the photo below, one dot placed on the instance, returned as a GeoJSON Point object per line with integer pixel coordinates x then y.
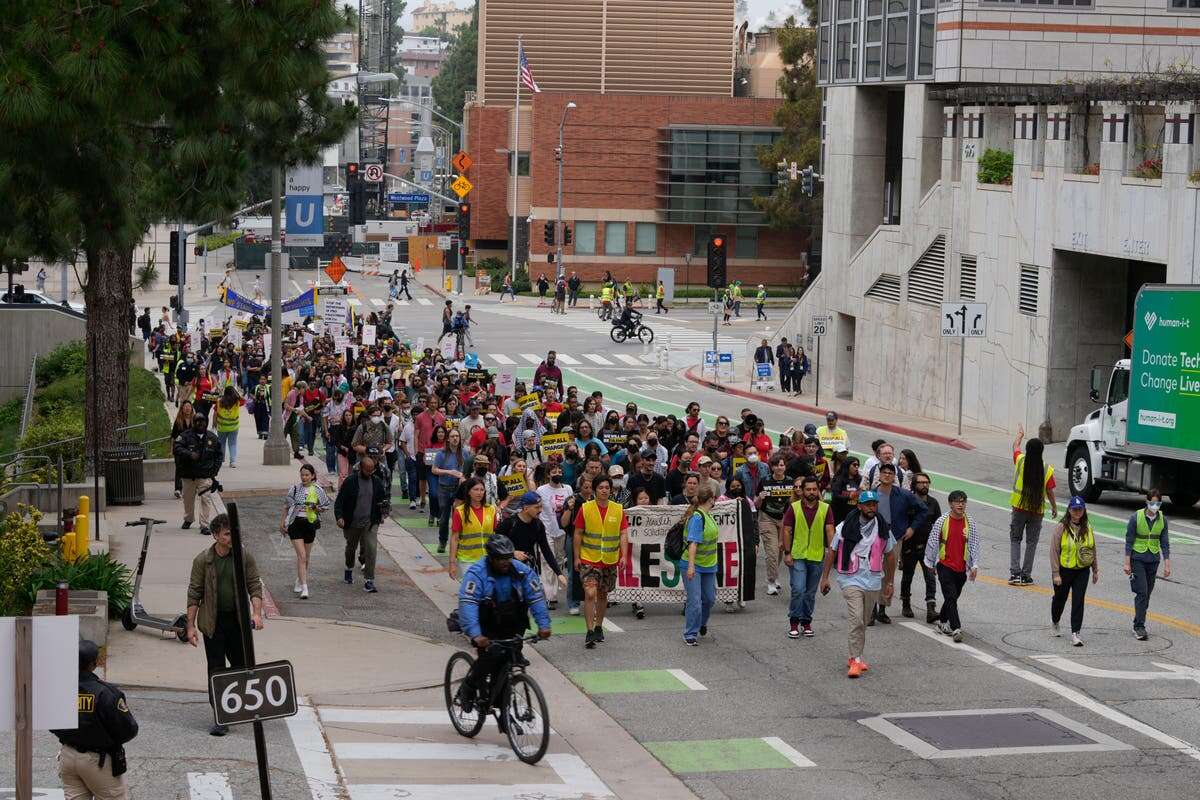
{"type": "Point", "coordinates": [105, 722]}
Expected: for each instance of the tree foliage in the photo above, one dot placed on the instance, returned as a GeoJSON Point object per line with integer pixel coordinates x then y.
{"type": "Point", "coordinates": [121, 113]}
{"type": "Point", "coordinates": [800, 118]}
{"type": "Point", "coordinates": [457, 75]}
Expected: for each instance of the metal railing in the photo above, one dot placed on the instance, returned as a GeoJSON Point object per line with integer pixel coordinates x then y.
{"type": "Point", "coordinates": [76, 465]}
{"type": "Point", "coordinates": [30, 386]}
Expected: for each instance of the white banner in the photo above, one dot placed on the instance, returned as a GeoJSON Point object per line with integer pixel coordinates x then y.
{"type": "Point", "coordinates": [368, 335]}
{"type": "Point", "coordinates": [648, 577]}
{"type": "Point", "coordinates": [447, 348]}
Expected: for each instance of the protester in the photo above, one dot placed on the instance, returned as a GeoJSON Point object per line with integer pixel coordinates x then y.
{"type": "Point", "coordinates": [301, 520]}
{"type": "Point", "coordinates": [955, 554]}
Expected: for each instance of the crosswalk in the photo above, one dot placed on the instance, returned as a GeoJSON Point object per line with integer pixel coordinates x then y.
{"type": "Point", "coordinates": [568, 360]}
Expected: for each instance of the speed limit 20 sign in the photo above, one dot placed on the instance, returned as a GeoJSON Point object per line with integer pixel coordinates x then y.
{"type": "Point", "coordinates": [267, 691]}
{"type": "Point", "coordinates": [820, 326]}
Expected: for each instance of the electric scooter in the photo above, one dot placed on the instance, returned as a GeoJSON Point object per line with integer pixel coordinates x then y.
{"type": "Point", "coordinates": [137, 615]}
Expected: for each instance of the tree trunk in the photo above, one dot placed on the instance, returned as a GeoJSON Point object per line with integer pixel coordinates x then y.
{"type": "Point", "coordinates": [108, 293]}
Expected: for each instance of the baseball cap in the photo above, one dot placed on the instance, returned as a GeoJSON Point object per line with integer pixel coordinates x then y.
{"type": "Point", "coordinates": [1077, 502]}
{"type": "Point", "coordinates": [831, 415]}
{"type": "Point", "coordinates": [529, 498]}
{"type": "Point", "coordinates": [810, 429]}
{"type": "Point", "coordinates": [703, 460]}
{"type": "Point", "coordinates": [868, 497]}
{"type": "Point", "coordinates": [616, 471]}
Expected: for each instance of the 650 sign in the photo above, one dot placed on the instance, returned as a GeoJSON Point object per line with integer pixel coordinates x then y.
{"type": "Point", "coordinates": [267, 691]}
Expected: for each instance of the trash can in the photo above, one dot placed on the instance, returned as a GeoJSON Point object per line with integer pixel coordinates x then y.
{"type": "Point", "coordinates": [124, 474]}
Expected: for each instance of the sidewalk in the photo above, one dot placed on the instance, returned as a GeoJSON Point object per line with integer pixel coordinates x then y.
{"type": "Point", "coordinates": [984, 441]}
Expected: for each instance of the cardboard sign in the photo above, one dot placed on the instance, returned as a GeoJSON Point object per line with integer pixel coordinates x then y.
{"type": "Point", "coordinates": [481, 375]}
{"type": "Point", "coordinates": [335, 310]}
{"type": "Point", "coordinates": [506, 382]}
{"type": "Point", "coordinates": [530, 402]}
{"type": "Point", "coordinates": [368, 335]}
{"type": "Point", "coordinates": [612, 440]}
{"type": "Point", "coordinates": [447, 348]}
{"type": "Point", "coordinates": [514, 484]}
{"type": "Point", "coordinates": [555, 444]}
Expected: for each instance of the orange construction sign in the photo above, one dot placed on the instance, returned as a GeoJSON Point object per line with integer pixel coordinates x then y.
{"type": "Point", "coordinates": [462, 162]}
{"type": "Point", "coordinates": [336, 270]}
{"type": "Point", "coordinates": [1129, 341]}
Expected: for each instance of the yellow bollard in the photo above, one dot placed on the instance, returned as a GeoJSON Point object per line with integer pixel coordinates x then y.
{"type": "Point", "coordinates": [80, 541]}
{"type": "Point", "coordinates": [66, 547]}
{"type": "Point", "coordinates": [449, 284]}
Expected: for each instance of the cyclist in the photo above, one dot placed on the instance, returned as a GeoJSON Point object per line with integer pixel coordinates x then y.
{"type": "Point", "coordinates": [494, 601]}
{"type": "Point", "coordinates": [629, 319]}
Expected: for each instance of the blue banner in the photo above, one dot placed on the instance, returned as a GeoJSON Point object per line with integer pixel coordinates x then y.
{"type": "Point", "coordinates": [238, 303]}
{"type": "Point", "coordinates": [305, 303]}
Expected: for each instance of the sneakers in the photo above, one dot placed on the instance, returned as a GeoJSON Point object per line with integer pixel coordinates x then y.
{"type": "Point", "coordinates": [552, 605]}
{"type": "Point", "coordinates": [297, 587]}
{"type": "Point", "coordinates": [1055, 629]}
{"type": "Point", "coordinates": [691, 642]}
{"type": "Point", "coordinates": [304, 592]}
{"type": "Point", "coordinates": [205, 531]}
{"type": "Point", "coordinates": [441, 548]}
{"type": "Point", "coordinates": [178, 494]}
{"type": "Point", "coordinates": [958, 635]}
{"type": "Point", "coordinates": [772, 587]}
{"type": "Point", "coordinates": [794, 631]}
{"type": "Point", "coordinates": [931, 611]}
{"type": "Point", "coordinates": [598, 633]}
{"type": "Point", "coordinates": [639, 611]}
{"type": "Point", "coordinates": [1026, 580]}
{"type": "Point", "coordinates": [589, 640]}
{"type": "Point", "coordinates": [883, 617]}
{"type": "Point", "coordinates": [218, 730]}
{"type": "Point", "coordinates": [855, 669]}
{"type": "Point", "coordinates": [907, 610]}
{"type": "Point", "coordinates": [704, 630]}
{"type": "Point", "coordinates": [573, 611]}
{"type": "Point", "coordinates": [944, 628]}
{"type": "Point", "coordinates": [348, 577]}
{"type": "Point", "coordinates": [1076, 641]}
{"type": "Point", "coordinates": [369, 587]}
{"type": "Point", "coordinates": [807, 631]}
{"type": "Point", "coordinates": [1014, 579]}
{"type": "Point", "coordinates": [412, 506]}
{"type": "Point", "coordinates": [187, 523]}
{"type": "Point", "coordinates": [1140, 634]}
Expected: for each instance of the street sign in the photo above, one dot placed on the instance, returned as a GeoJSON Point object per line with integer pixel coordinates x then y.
{"type": "Point", "coordinates": [408, 197]}
{"type": "Point", "coordinates": [373, 173]}
{"type": "Point", "coordinates": [426, 175]}
{"type": "Point", "coordinates": [336, 269]}
{"type": "Point", "coordinates": [461, 162]}
{"type": "Point", "coordinates": [389, 251]}
{"type": "Point", "coordinates": [715, 307]}
{"type": "Point", "coordinates": [964, 320]}
{"type": "Point", "coordinates": [820, 326]}
{"type": "Point", "coordinates": [334, 310]}
{"type": "Point", "coordinates": [763, 370]}
{"type": "Point", "coordinates": [443, 242]}
{"type": "Point", "coordinates": [461, 186]}
{"type": "Point", "coordinates": [267, 691]}
{"type": "Point", "coordinates": [304, 206]}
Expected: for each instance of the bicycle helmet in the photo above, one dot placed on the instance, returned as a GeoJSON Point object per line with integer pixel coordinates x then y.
{"type": "Point", "coordinates": [499, 546]}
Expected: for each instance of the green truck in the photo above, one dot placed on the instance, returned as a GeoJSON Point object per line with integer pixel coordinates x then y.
{"type": "Point", "coordinates": [1146, 432]}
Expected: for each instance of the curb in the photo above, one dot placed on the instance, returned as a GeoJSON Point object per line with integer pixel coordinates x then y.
{"type": "Point", "coordinates": [886, 426]}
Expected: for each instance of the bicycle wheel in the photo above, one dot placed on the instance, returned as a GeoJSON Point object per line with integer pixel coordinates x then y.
{"type": "Point", "coordinates": [618, 334]}
{"type": "Point", "coordinates": [467, 722]}
{"type": "Point", "coordinates": [526, 718]}
{"type": "Point", "coordinates": [645, 335]}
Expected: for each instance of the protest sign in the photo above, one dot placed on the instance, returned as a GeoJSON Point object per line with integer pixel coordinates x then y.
{"type": "Point", "coordinates": [530, 402]}
{"type": "Point", "coordinates": [555, 444]}
{"type": "Point", "coordinates": [514, 484]}
{"type": "Point", "coordinates": [368, 335]}
{"type": "Point", "coordinates": [446, 346]}
{"type": "Point", "coordinates": [506, 382]}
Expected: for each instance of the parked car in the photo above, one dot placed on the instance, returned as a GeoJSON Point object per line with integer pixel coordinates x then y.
{"type": "Point", "coordinates": [41, 298]}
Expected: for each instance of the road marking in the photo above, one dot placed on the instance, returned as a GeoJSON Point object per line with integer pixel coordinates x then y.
{"type": "Point", "coordinates": [531, 358]}
{"type": "Point", "coordinates": [424, 301]}
{"type": "Point", "coordinates": [635, 681]}
{"type": "Point", "coordinates": [385, 716]}
{"type": "Point", "coordinates": [628, 359]}
{"type": "Point", "coordinates": [566, 359]}
{"type": "Point", "coordinates": [313, 752]}
{"type": "Point", "coordinates": [401, 302]}
{"type": "Point", "coordinates": [377, 302]}
{"type": "Point", "coordinates": [787, 751]}
{"type": "Point", "coordinates": [611, 626]}
{"type": "Point", "coordinates": [422, 751]}
{"type": "Point", "coordinates": [688, 680]}
{"type": "Point", "coordinates": [354, 301]}
{"type": "Point", "coordinates": [500, 358]}
{"type": "Point", "coordinates": [595, 359]}
{"type": "Point", "coordinates": [578, 780]}
{"type": "Point", "coordinates": [1065, 692]}
{"type": "Point", "coordinates": [209, 786]}
{"type": "Point", "coordinates": [1162, 619]}
{"type": "Point", "coordinates": [1171, 673]}
{"type": "Point", "coordinates": [38, 794]}
{"type": "Point", "coordinates": [297, 287]}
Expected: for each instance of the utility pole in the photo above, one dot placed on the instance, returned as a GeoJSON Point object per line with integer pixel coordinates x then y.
{"type": "Point", "coordinates": [558, 226]}
{"type": "Point", "coordinates": [275, 451]}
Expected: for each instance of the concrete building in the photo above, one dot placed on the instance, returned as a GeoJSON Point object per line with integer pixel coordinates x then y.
{"type": "Point", "coordinates": [924, 103]}
{"type": "Point", "coordinates": [442, 16]}
{"type": "Point", "coordinates": [659, 153]}
{"type": "Point", "coordinates": [759, 65]}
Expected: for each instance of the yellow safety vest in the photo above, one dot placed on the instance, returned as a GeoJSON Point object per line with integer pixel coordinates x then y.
{"type": "Point", "coordinates": [706, 551]}
{"type": "Point", "coordinates": [808, 543]}
{"type": "Point", "coordinates": [944, 534]}
{"type": "Point", "coordinates": [1147, 538]}
{"type": "Point", "coordinates": [831, 440]}
{"type": "Point", "coordinates": [1069, 547]}
{"type": "Point", "coordinates": [601, 537]}
{"type": "Point", "coordinates": [606, 294]}
{"type": "Point", "coordinates": [1019, 481]}
{"type": "Point", "coordinates": [228, 418]}
{"type": "Point", "coordinates": [474, 533]}
{"type": "Point", "coordinates": [660, 292]}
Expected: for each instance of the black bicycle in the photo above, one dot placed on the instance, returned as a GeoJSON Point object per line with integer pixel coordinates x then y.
{"type": "Point", "coordinates": [635, 328]}
{"type": "Point", "coordinates": [514, 698]}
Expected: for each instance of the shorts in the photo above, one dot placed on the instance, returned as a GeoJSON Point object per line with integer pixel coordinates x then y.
{"type": "Point", "coordinates": [301, 528]}
{"type": "Point", "coordinates": [605, 575]}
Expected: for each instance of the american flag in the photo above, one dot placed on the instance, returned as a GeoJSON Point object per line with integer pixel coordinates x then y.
{"type": "Point", "coordinates": [526, 76]}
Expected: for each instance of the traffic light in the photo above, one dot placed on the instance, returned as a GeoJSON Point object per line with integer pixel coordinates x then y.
{"type": "Point", "coordinates": [173, 275]}
{"type": "Point", "coordinates": [806, 181]}
{"type": "Point", "coordinates": [358, 194]}
{"type": "Point", "coordinates": [464, 221]}
{"type": "Point", "coordinates": [566, 234]}
{"type": "Point", "coordinates": [548, 236]}
{"type": "Point", "coordinates": [717, 247]}
{"type": "Point", "coordinates": [351, 173]}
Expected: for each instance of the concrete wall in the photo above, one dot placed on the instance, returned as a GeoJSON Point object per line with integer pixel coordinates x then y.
{"type": "Point", "coordinates": [26, 330]}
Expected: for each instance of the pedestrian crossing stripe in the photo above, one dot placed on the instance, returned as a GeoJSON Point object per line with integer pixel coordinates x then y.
{"type": "Point", "coordinates": [566, 359]}
{"type": "Point", "coordinates": [500, 358]}
{"type": "Point", "coordinates": [596, 359]}
{"type": "Point", "coordinates": [424, 301]}
{"type": "Point", "coordinates": [504, 360]}
{"type": "Point", "coordinates": [531, 358]}
{"type": "Point", "coordinates": [354, 301]}
{"type": "Point", "coordinates": [727, 755]}
{"type": "Point", "coordinates": [628, 359]}
{"type": "Point", "coordinates": [376, 301]}
{"type": "Point", "coordinates": [634, 681]}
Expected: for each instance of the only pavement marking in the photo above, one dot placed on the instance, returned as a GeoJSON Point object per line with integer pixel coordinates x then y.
{"type": "Point", "coordinates": [635, 681]}
{"type": "Point", "coordinates": [727, 755]}
{"type": "Point", "coordinates": [209, 785]}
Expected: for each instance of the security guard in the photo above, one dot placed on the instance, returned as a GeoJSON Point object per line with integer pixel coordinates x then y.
{"type": "Point", "coordinates": [494, 601]}
{"type": "Point", "coordinates": [91, 763]}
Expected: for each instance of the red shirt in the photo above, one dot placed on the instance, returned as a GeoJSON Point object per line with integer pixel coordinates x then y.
{"type": "Point", "coordinates": [423, 425]}
{"type": "Point", "coordinates": [956, 545]}
{"type": "Point", "coordinates": [456, 520]}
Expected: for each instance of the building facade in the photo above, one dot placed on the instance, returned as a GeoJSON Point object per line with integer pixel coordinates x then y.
{"type": "Point", "coordinates": [440, 16]}
{"type": "Point", "coordinates": [658, 153]}
{"type": "Point", "coordinates": [925, 105]}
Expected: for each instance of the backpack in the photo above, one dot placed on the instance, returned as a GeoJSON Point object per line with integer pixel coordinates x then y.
{"type": "Point", "coordinates": [675, 543]}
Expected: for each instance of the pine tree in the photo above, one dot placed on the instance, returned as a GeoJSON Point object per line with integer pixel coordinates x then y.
{"type": "Point", "coordinates": [457, 74]}
{"type": "Point", "coordinates": [121, 113]}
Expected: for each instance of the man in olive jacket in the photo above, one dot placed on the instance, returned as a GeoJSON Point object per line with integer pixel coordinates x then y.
{"type": "Point", "coordinates": [212, 604]}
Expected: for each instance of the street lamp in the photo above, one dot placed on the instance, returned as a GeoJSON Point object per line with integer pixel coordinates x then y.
{"type": "Point", "coordinates": [558, 229]}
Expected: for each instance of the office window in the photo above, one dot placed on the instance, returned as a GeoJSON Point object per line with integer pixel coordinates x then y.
{"type": "Point", "coordinates": [926, 19]}
{"type": "Point", "coordinates": [1082, 3]}
{"type": "Point", "coordinates": [645, 239]}
{"type": "Point", "coordinates": [585, 238]}
{"type": "Point", "coordinates": [1185, 3]}
{"type": "Point", "coordinates": [700, 242]}
{"type": "Point", "coordinates": [896, 50]}
{"type": "Point", "coordinates": [522, 164]}
{"type": "Point", "coordinates": [745, 243]}
{"type": "Point", "coordinates": [614, 238]}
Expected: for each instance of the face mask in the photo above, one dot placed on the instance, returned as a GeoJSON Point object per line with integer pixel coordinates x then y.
{"type": "Point", "coordinates": [376, 418]}
{"type": "Point", "coordinates": [752, 458]}
{"type": "Point", "coordinates": [556, 478]}
{"type": "Point", "coordinates": [1153, 506]}
{"type": "Point", "coordinates": [618, 483]}
{"type": "Point", "coordinates": [736, 492]}
{"type": "Point", "coordinates": [481, 470]}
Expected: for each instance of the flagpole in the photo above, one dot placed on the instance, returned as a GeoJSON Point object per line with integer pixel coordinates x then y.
{"type": "Point", "coordinates": [516, 149]}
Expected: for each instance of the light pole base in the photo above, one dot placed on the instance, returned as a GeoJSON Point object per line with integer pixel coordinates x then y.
{"type": "Point", "coordinates": [276, 453]}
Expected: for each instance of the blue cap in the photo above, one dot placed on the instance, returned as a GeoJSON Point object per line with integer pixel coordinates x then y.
{"type": "Point", "coordinates": [530, 497]}
{"type": "Point", "coordinates": [868, 497]}
{"type": "Point", "coordinates": [1077, 502]}
{"type": "Point", "coordinates": [810, 429]}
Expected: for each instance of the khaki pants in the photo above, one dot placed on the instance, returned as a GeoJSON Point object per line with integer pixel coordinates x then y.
{"type": "Point", "coordinates": [210, 504]}
{"type": "Point", "coordinates": [859, 603]}
{"type": "Point", "coordinates": [84, 779]}
{"type": "Point", "coordinates": [768, 537]}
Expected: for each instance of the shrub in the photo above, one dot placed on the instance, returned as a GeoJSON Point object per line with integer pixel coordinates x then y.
{"type": "Point", "coordinates": [1091, 169]}
{"type": "Point", "coordinates": [498, 268]}
{"type": "Point", "coordinates": [22, 553]}
{"type": "Point", "coordinates": [146, 276]}
{"type": "Point", "coordinates": [996, 166]}
{"type": "Point", "coordinates": [1149, 168]}
{"type": "Point", "coordinates": [98, 572]}
{"type": "Point", "coordinates": [1194, 177]}
{"type": "Point", "coordinates": [58, 425]}
{"type": "Point", "coordinates": [66, 359]}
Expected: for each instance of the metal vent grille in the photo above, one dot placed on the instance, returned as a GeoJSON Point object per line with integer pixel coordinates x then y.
{"type": "Point", "coordinates": [1027, 302]}
{"type": "Point", "coordinates": [927, 278]}
{"type": "Point", "coordinates": [886, 288]}
{"type": "Point", "coordinates": [968, 273]}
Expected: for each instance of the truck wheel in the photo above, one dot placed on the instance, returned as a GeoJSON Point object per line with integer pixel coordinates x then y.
{"type": "Point", "coordinates": [1080, 478]}
{"type": "Point", "coordinates": [1183, 501]}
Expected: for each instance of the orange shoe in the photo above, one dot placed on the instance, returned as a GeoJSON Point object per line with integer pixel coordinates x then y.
{"type": "Point", "coordinates": [855, 669]}
{"type": "Point", "coordinates": [864, 666]}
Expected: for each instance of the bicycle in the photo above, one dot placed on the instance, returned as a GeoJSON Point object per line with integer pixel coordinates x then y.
{"type": "Point", "coordinates": [619, 333]}
{"type": "Point", "coordinates": [514, 698]}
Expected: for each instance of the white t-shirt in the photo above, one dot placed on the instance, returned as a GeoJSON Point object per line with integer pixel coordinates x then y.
{"type": "Point", "coordinates": [553, 501]}
{"type": "Point", "coordinates": [379, 394]}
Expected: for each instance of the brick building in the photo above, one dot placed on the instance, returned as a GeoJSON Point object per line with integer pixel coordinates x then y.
{"type": "Point", "coordinates": [658, 153]}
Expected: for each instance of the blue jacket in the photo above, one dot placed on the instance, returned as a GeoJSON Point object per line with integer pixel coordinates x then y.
{"type": "Point", "coordinates": [762, 473]}
{"type": "Point", "coordinates": [479, 584]}
{"type": "Point", "coordinates": [907, 511]}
